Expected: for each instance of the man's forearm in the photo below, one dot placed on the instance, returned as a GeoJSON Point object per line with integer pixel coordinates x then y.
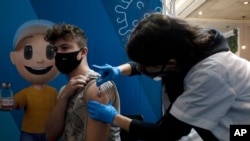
{"type": "Point", "coordinates": [55, 123]}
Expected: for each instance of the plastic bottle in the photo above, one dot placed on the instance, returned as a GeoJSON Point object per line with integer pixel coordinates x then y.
{"type": "Point", "coordinates": [6, 96]}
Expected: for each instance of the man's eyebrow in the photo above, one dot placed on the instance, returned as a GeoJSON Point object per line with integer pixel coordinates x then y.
{"type": "Point", "coordinates": [62, 46]}
{"type": "Point", "coordinates": [65, 44]}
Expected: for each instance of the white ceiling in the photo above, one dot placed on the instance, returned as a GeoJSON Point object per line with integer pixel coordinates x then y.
{"type": "Point", "coordinates": [221, 14]}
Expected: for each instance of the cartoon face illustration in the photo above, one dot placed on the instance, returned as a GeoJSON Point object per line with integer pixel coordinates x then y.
{"type": "Point", "coordinates": [34, 57]}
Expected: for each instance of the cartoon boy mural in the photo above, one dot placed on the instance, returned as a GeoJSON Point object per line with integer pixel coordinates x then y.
{"type": "Point", "coordinates": [34, 60]}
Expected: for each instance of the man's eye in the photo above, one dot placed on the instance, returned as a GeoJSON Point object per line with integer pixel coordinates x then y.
{"type": "Point", "coordinates": [64, 48]}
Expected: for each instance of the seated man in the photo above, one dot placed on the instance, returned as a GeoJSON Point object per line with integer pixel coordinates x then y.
{"type": "Point", "coordinates": [70, 118]}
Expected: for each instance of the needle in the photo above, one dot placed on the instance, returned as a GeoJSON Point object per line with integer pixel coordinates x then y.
{"type": "Point", "coordinates": [99, 91]}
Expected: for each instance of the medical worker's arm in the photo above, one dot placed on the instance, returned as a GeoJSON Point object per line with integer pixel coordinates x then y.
{"type": "Point", "coordinates": [167, 128]}
{"type": "Point", "coordinates": [109, 72]}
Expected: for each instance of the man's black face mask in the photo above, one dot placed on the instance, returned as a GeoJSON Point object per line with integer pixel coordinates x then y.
{"type": "Point", "coordinates": [67, 62]}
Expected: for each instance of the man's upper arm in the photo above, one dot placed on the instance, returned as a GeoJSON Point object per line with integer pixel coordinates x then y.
{"type": "Point", "coordinates": [105, 94]}
{"type": "Point", "coordinates": [100, 129]}
{"type": "Point", "coordinates": [94, 93]}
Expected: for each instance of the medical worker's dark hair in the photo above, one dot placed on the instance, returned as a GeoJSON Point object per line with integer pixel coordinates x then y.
{"type": "Point", "coordinates": [159, 37]}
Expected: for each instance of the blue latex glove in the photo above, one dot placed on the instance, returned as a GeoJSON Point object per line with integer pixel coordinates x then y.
{"type": "Point", "coordinates": [102, 112]}
{"type": "Point", "coordinates": [107, 72]}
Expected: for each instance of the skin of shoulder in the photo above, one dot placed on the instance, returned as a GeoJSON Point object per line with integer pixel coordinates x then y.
{"type": "Point", "coordinates": [100, 129]}
{"type": "Point", "coordinates": [92, 94]}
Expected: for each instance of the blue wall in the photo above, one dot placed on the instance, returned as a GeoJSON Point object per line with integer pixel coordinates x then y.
{"type": "Point", "coordinates": [107, 24]}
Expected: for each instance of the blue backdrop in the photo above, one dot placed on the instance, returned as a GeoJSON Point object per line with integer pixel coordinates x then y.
{"type": "Point", "coordinates": [107, 23]}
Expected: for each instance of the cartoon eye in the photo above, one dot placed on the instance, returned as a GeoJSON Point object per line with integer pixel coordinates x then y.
{"type": "Point", "coordinates": [28, 52]}
{"type": "Point", "coordinates": [50, 52]}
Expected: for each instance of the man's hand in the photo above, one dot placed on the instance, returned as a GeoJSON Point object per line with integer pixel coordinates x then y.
{"type": "Point", "coordinates": [74, 84]}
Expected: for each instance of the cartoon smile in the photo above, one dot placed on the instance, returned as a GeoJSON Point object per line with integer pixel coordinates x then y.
{"type": "Point", "coordinates": [38, 70]}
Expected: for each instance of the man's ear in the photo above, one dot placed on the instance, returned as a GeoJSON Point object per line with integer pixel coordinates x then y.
{"type": "Point", "coordinates": [85, 49]}
{"type": "Point", "coordinates": [13, 57]}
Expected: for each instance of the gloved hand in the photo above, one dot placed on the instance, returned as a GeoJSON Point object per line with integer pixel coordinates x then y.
{"type": "Point", "coordinates": [107, 72]}
{"type": "Point", "coordinates": [102, 112]}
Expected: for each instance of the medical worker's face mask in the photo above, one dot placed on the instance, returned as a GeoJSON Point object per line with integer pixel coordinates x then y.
{"type": "Point", "coordinates": [154, 72]}
{"type": "Point", "coordinates": [67, 62]}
